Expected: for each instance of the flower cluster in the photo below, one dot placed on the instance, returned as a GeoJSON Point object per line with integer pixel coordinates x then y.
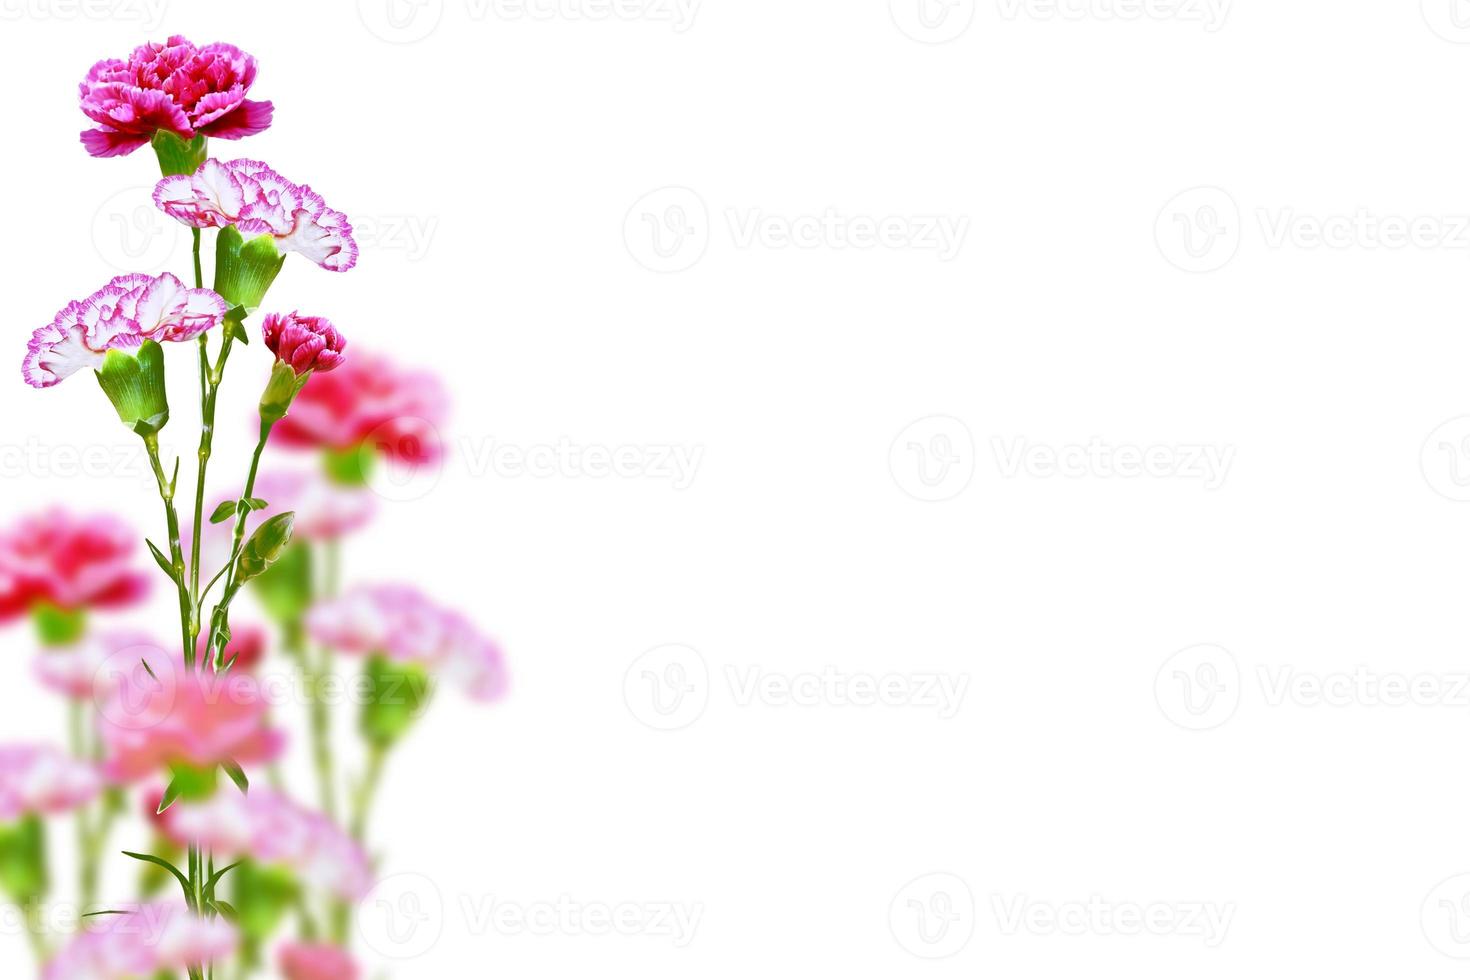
{"type": "Point", "coordinates": [41, 779]}
{"type": "Point", "coordinates": [121, 315]}
{"type": "Point", "coordinates": [273, 830]}
{"type": "Point", "coordinates": [69, 562]}
{"type": "Point", "coordinates": [258, 201]}
{"type": "Point", "coordinates": [175, 87]}
{"type": "Point", "coordinates": [402, 624]}
{"type": "Point", "coordinates": [144, 941]}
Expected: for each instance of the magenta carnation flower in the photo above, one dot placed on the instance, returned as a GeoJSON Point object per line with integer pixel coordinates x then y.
{"type": "Point", "coordinates": [68, 561]}
{"type": "Point", "coordinates": [149, 940]}
{"type": "Point", "coordinates": [305, 343]}
{"type": "Point", "coordinates": [258, 201]}
{"type": "Point", "coordinates": [316, 961]}
{"type": "Point", "coordinates": [89, 668]}
{"type": "Point", "coordinates": [400, 623]}
{"type": "Point", "coordinates": [271, 829]}
{"type": "Point", "coordinates": [127, 311]}
{"type": "Point", "coordinates": [42, 779]}
{"type": "Point", "coordinates": [167, 714]}
{"type": "Point", "coordinates": [172, 86]}
{"type": "Point", "coordinates": [370, 400]}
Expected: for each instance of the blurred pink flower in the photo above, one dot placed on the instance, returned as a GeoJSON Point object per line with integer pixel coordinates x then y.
{"type": "Point", "coordinates": [371, 401]}
{"type": "Point", "coordinates": [89, 668]}
{"type": "Point", "coordinates": [246, 647]}
{"type": "Point", "coordinates": [42, 779]}
{"type": "Point", "coordinates": [324, 510]}
{"type": "Point", "coordinates": [174, 86]}
{"type": "Point", "coordinates": [144, 941]}
{"type": "Point", "coordinates": [272, 829]}
{"type": "Point", "coordinates": [258, 201]}
{"type": "Point", "coordinates": [166, 714]}
{"type": "Point", "coordinates": [400, 623]}
{"type": "Point", "coordinates": [316, 961]}
{"type": "Point", "coordinates": [306, 343]}
{"type": "Point", "coordinates": [127, 311]}
{"type": "Point", "coordinates": [70, 561]}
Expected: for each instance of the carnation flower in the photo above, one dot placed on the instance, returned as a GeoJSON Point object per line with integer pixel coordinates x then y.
{"type": "Point", "coordinates": [89, 668]}
{"type": "Point", "coordinates": [172, 86]}
{"type": "Point", "coordinates": [144, 941]}
{"type": "Point", "coordinates": [400, 623]}
{"type": "Point", "coordinates": [371, 401]}
{"type": "Point", "coordinates": [42, 779]}
{"type": "Point", "coordinates": [258, 201]}
{"type": "Point", "coordinates": [121, 315]}
{"type": "Point", "coordinates": [67, 561]}
{"type": "Point", "coordinates": [271, 829]}
{"type": "Point", "coordinates": [324, 510]}
{"type": "Point", "coordinates": [166, 714]}
{"type": "Point", "coordinates": [306, 343]}
{"type": "Point", "coordinates": [316, 961]}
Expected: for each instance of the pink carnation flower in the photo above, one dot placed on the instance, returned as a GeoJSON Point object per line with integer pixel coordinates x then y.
{"type": "Point", "coordinates": [89, 668]}
{"type": "Point", "coordinates": [306, 343]}
{"type": "Point", "coordinates": [369, 400]}
{"type": "Point", "coordinates": [324, 510]}
{"type": "Point", "coordinates": [41, 779]}
{"type": "Point", "coordinates": [127, 311]}
{"type": "Point", "coordinates": [68, 561]}
{"type": "Point", "coordinates": [144, 941]}
{"type": "Point", "coordinates": [316, 961]}
{"type": "Point", "coordinates": [272, 829]}
{"type": "Point", "coordinates": [174, 86]}
{"type": "Point", "coordinates": [399, 622]}
{"type": "Point", "coordinates": [258, 201]}
{"type": "Point", "coordinates": [173, 715]}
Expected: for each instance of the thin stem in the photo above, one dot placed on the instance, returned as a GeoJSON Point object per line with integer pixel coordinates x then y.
{"type": "Point", "coordinates": [176, 551]}
{"type": "Point", "coordinates": [242, 513]}
{"type": "Point", "coordinates": [87, 873]}
{"type": "Point", "coordinates": [366, 792]}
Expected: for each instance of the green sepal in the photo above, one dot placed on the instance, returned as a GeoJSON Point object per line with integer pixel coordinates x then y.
{"type": "Point", "coordinates": [265, 546]}
{"type": "Point", "coordinates": [261, 898]}
{"type": "Point", "coordinates": [178, 156]}
{"type": "Point", "coordinates": [280, 391]}
{"type": "Point", "coordinates": [23, 875]}
{"type": "Point", "coordinates": [397, 694]}
{"type": "Point", "coordinates": [352, 467]}
{"type": "Point", "coordinates": [135, 386]}
{"type": "Point", "coordinates": [191, 783]}
{"type": "Point", "coordinates": [243, 271]}
{"type": "Point", "coordinates": [58, 627]}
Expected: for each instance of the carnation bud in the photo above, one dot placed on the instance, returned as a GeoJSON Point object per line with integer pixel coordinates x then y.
{"type": "Point", "coordinates": [134, 383]}
{"type": "Point", "coordinates": [265, 546]}
{"type": "Point", "coordinates": [280, 391]}
{"type": "Point", "coordinates": [306, 343]}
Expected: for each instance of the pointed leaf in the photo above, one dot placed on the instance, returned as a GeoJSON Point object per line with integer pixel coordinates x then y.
{"type": "Point", "coordinates": [160, 862]}
{"type": "Point", "coordinates": [163, 563]}
{"type": "Point", "coordinates": [169, 795]}
{"type": "Point", "coordinates": [238, 775]}
{"type": "Point", "coordinates": [223, 512]}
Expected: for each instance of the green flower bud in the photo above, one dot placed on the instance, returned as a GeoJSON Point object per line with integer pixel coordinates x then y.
{"type": "Point", "coordinates": [280, 391]}
{"type": "Point", "coordinates": [266, 545]}
{"type": "Point", "coordinates": [243, 271]}
{"type": "Point", "coordinates": [134, 384]}
{"type": "Point", "coordinates": [23, 876]}
{"type": "Point", "coordinates": [397, 694]}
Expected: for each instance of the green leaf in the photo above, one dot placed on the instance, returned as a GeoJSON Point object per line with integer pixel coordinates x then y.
{"type": "Point", "coordinates": [227, 910]}
{"type": "Point", "coordinates": [237, 774]}
{"type": "Point", "coordinates": [169, 795]}
{"type": "Point", "coordinates": [255, 503]}
{"type": "Point", "coordinates": [214, 879]}
{"type": "Point", "coordinates": [163, 562]}
{"type": "Point", "coordinates": [223, 512]}
{"type": "Point", "coordinates": [165, 865]}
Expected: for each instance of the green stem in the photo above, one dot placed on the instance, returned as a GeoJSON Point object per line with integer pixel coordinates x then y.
{"type": "Point", "coordinates": [87, 873]}
{"type": "Point", "coordinates": [366, 792]}
{"type": "Point", "coordinates": [220, 615]}
{"type": "Point", "coordinates": [176, 550]}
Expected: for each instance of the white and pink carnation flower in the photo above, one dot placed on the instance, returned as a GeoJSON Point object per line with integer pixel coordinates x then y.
{"type": "Point", "coordinates": [121, 315]}
{"type": "Point", "coordinates": [258, 201]}
{"type": "Point", "coordinates": [143, 941]}
{"type": "Point", "coordinates": [270, 828]}
{"type": "Point", "coordinates": [43, 779]}
{"type": "Point", "coordinates": [400, 623]}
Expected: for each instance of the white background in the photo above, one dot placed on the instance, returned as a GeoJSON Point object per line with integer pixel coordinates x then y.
{"type": "Point", "coordinates": [518, 152]}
